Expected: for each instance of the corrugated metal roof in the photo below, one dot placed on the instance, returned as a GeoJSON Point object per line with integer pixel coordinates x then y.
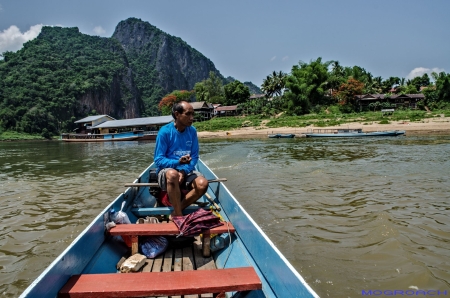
{"type": "Point", "coordinates": [227, 108]}
{"type": "Point", "coordinates": [254, 96]}
{"type": "Point", "coordinates": [382, 96]}
{"type": "Point", "coordinates": [198, 105]}
{"type": "Point", "coordinates": [93, 118]}
{"type": "Point", "coordinates": [135, 122]}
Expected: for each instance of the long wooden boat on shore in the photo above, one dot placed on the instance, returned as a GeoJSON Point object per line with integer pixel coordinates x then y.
{"type": "Point", "coordinates": [248, 265]}
{"type": "Point", "coordinates": [350, 133]}
{"type": "Point", "coordinates": [108, 137]}
{"type": "Point", "coordinates": [282, 136]}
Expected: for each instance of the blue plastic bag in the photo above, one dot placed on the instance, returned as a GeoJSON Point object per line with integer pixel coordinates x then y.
{"type": "Point", "coordinates": [153, 246]}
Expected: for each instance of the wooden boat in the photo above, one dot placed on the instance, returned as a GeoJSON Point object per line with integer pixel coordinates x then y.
{"type": "Point", "coordinates": [281, 135]}
{"type": "Point", "coordinates": [149, 135]}
{"type": "Point", "coordinates": [108, 137]}
{"type": "Point", "coordinates": [248, 266]}
{"type": "Point", "coordinates": [350, 133]}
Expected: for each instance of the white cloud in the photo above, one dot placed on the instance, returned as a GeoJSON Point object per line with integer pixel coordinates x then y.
{"type": "Point", "coordinates": [285, 58]}
{"type": "Point", "coordinates": [12, 39]}
{"type": "Point", "coordinates": [420, 71]}
{"type": "Point", "coordinates": [99, 30]}
{"type": "Point", "coordinates": [273, 58]}
{"type": "Point", "coordinates": [1, 8]}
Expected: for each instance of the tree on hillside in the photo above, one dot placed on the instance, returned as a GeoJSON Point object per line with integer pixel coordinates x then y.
{"type": "Point", "coordinates": [274, 84]}
{"type": "Point", "coordinates": [210, 90]}
{"type": "Point", "coordinates": [306, 86]}
{"type": "Point", "coordinates": [236, 93]}
{"type": "Point", "coordinates": [166, 103]}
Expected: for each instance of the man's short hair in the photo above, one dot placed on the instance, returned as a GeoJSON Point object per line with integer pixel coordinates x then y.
{"type": "Point", "coordinates": [177, 107]}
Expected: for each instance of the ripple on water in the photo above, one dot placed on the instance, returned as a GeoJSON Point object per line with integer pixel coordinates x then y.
{"type": "Point", "coordinates": [348, 214]}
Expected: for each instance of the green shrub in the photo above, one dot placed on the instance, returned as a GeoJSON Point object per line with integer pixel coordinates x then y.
{"type": "Point", "coordinates": [13, 135]}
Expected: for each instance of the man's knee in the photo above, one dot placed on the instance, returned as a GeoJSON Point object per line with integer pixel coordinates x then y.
{"type": "Point", "coordinates": [172, 176]}
{"type": "Point", "coordinates": [201, 184]}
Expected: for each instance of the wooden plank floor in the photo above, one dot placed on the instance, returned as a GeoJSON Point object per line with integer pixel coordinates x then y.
{"type": "Point", "coordinates": [181, 259]}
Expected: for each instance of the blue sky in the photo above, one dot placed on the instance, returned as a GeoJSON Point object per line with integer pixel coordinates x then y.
{"type": "Point", "coordinates": [249, 39]}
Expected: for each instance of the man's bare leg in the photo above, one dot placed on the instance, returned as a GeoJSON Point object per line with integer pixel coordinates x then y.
{"type": "Point", "coordinates": [199, 188]}
{"type": "Point", "coordinates": [173, 191]}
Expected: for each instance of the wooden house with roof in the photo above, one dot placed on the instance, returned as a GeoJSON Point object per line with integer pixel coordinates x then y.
{"type": "Point", "coordinates": [399, 100]}
{"type": "Point", "coordinates": [84, 126]}
{"type": "Point", "coordinates": [148, 125]}
{"type": "Point", "coordinates": [227, 110]}
{"type": "Point", "coordinates": [206, 110]}
{"type": "Point", "coordinates": [101, 125]}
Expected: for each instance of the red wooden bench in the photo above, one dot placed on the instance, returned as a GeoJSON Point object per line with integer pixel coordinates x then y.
{"type": "Point", "coordinates": [165, 229]}
{"type": "Point", "coordinates": [161, 283]}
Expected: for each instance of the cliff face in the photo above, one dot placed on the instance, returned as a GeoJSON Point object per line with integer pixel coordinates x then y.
{"type": "Point", "coordinates": [121, 101]}
{"type": "Point", "coordinates": [161, 62]}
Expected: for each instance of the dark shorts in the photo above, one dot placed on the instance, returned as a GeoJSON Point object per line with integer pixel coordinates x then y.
{"type": "Point", "coordinates": [186, 184]}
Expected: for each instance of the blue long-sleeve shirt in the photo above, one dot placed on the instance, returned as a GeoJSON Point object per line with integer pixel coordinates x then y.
{"type": "Point", "coordinates": [172, 144]}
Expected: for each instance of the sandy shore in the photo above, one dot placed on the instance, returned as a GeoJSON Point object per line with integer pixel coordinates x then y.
{"type": "Point", "coordinates": [439, 125]}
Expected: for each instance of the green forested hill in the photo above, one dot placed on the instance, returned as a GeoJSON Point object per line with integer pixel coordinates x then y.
{"type": "Point", "coordinates": [63, 75]}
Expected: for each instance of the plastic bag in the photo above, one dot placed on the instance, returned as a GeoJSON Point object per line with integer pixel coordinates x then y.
{"type": "Point", "coordinates": [153, 246]}
{"type": "Point", "coordinates": [119, 217]}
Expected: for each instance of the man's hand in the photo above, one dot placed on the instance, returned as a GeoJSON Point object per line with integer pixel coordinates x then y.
{"type": "Point", "coordinates": [185, 159]}
{"type": "Point", "coordinates": [181, 175]}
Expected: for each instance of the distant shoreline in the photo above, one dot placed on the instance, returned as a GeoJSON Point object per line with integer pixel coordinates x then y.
{"type": "Point", "coordinates": [434, 126]}
{"type": "Point", "coordinates": [437, 126]}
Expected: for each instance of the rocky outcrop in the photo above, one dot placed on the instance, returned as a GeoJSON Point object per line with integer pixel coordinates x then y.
{"type": "Point", "coordinates": [121, 101]}
{"type": "Point", "coordinates": [161, 62]}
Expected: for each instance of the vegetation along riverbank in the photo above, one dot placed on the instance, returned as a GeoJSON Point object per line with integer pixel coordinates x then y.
{"type": "Point", "coordinates": [49, 84]}
{"type": "Point", "coordinates": [413, 122]}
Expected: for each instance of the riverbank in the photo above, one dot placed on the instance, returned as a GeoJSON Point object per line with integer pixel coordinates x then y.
{"type": "Point", "coordinates": [439, 125]}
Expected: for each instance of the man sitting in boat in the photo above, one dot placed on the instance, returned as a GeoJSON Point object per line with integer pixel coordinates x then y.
{"type": "Point", "coordinates": [176, 155]}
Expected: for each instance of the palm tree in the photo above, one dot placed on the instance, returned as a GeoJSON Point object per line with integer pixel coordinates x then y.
{"type": "Point", "coordinates": [274, 84]}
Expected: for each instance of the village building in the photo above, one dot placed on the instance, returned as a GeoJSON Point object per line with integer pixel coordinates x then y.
{"type": "Point", "coordinates": [204, 109]}
{"type": "Point", "coordinates": [257, 96]}
{"type": "Point", "coordinates": [149, 125]}
{"type": "Point", "coordinates": [84, 126]}
{"type": "Point", "coordinates": [399, 100]}
{"type": "Point", "coordinates": [226, 111]}
{"type": "Point", "coordinates": [215, 106]}
{"type": "Point", "coordinates": [104, 124]}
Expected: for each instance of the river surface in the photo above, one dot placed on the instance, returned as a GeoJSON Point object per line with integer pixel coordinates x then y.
{"type": "Point", "coordinates": [351, 215]}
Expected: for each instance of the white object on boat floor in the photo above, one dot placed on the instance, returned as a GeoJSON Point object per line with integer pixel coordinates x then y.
{"type": "Point", "coordinates": [133, 263]}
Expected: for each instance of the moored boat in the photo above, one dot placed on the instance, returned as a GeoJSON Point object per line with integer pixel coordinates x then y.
{"type": "Point", "coordinates": [282, 135]}
{"type": "Point", "coordinates": [248, 254]}
{"type": "Point", "coordinates": [349, 133]}
{"type": "Point", "coordinates": [107, 137]}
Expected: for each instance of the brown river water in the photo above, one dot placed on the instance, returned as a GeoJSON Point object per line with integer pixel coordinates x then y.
{"type": "Point", "coordinates": [351, 215]}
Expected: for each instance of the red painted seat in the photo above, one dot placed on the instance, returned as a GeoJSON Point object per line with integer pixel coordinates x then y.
{"type": "Point", "coordinates": [161, 283]}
